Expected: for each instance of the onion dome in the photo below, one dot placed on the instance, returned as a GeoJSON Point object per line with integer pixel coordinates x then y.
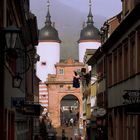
{"type": "Point", "coordinates": [90, 32]}
{"type": "Point", "coordinates": [48, 32]}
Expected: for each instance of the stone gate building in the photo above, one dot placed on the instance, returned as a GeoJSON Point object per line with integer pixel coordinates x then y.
{"type": "Point", "coordinates": [60, 85]}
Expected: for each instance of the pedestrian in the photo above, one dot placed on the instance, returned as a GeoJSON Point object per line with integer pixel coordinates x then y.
{"type": "Point", "coordinates": [71, 121]}
{"type": "Point", "coordinates": [67, 123]}
{"type": "Point", "coordinates": [49, 124]}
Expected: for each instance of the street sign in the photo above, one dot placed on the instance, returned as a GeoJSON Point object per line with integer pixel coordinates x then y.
{"type": "Point", "coordinates": [101, 111]}
{"type": "Point", "coordinates": [98, 112]}
{"type": "Point", "coordinates": [131, 96]}
{"type": "Point", "coordinates": [32, 109]}
{"type": "Point", "coordinates": [17, 101]}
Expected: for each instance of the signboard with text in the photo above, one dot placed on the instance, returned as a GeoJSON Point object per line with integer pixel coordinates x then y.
{"type": "Point", "coordinates": [17, 101]}
{"type": "Point", "coordinates": [131, 96]}
{"type": "Point", "coordinates": [32, 109]}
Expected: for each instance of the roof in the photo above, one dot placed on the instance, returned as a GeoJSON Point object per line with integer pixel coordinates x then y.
{"type": "Point", "coordinates": [48, 32]}
{"type": "Point", "coordinates": [90, 32]}
{"type": "Point", "coordinates": [124, 26]}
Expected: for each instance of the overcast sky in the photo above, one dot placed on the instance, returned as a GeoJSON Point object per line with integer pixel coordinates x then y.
{"type": "Point", "coordinates": [105, 8]}
{"type": "Point", "coordinates": [69, 16]}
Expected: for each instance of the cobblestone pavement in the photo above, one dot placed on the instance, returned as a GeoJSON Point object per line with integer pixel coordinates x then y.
{"type": "Point", "coordinates": [70, 132]}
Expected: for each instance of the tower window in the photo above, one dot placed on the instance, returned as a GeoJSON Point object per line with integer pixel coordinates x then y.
{"type": "Point", "coordinates": [43, 63]}
{"type": "Point", "coordinates": [61, 86]}
{"type": "Point", "coordinates": [61, 71]}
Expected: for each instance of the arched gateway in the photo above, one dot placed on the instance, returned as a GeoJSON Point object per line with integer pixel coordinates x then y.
{"type": "Point", "coordinates": [69, 110]}
{"type": "Point", "coordinates": [61, 93]}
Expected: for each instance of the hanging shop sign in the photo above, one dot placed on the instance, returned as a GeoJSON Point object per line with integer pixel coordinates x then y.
{"type": "Point", "coordinates": [17, 101]}
{"type": "Point", "coordinates": [101, 111]}
{"type": "Point", "coordinates": [131, 96]}
{"type": "Point", "coordinates": [98, 112]}
{"type": "Point", "coordinates": [94, 112]}
{"type": "Point", "coordinates": [32, 109]}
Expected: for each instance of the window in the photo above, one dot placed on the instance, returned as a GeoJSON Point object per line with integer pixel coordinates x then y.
{"type": "Point", "coordinates": [132, 55]}
{"type": "Point", "coordinates": [43, 63]}
{"type": "Point", "coordinates": [109, 69]}
{"type": "Point", "coordinates": [61, 86]}
{"type": "Point", "coordinates": [100, 68]}
{"type": "Point", "coordinates": [61, 71]}
{"type": "Point", "coordinates": [115, 66]}
{"type": "Point", "coordinates": [126, 64]}
{"type": "Point", "coordinates": [120, 64]}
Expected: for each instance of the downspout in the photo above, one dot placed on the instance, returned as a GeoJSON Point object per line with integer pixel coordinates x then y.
{"type": "Point", "coordinates": [2, 77]}
{"type": "Point", "coordinates": [4, 13]}
{"type": "Point", "coordinates": [2, 91]}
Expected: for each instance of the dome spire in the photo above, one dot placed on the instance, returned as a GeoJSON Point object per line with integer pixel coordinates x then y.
{"type": "Point", "coordinates": [48, 32]}
{"type": "Point", "coordinates": [89, 32]}
{"type": "Point", "coordinates": [48, 17]}
{"type": "Point", "coordinates": [90, 16]}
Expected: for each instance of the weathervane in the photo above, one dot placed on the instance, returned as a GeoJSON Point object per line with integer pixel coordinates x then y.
{"type": "Point", "coordinates": [90, 3]}
{"type": "Point", "coordinates": [48, 4]}
{"type": "Point", "coordinates": [90, 17]}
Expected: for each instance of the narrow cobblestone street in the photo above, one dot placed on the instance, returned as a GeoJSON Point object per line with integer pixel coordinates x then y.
{"type": "Point", "coordinates": [69, 132]}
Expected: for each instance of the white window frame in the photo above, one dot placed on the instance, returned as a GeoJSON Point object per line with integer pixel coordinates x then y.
{"type": "Point", "coordinates": [61, 71]}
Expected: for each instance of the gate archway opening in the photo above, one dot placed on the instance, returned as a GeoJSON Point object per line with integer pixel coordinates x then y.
{"type": "Point", "coordinates": [69, 110]}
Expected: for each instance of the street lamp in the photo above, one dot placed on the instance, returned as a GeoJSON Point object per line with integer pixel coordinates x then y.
{"type": "Point", "coordinates": [11, 34]}
{"type": "Point", "coordinates": [11, 52]}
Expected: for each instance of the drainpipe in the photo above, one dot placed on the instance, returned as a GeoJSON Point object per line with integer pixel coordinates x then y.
{"type": "Point", "coordinates": [4, 13]}
{"type": "Point", "coordinates": [2, 78]}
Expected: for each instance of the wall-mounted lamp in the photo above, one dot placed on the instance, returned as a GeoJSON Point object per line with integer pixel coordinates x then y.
{"type": "Point", "coordinates": [11, 34]}
{"type": "Point", "coordinates": [12, 52]}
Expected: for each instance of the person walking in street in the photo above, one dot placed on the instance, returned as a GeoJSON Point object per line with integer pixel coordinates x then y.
{"type": "Point", "coordinates": [71, 122]}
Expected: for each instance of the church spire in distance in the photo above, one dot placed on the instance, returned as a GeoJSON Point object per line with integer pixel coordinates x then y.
{"type": "Point", "coordinates": [48, 17]}
{"type": "Point", "coordinates": [90, 16]}
{"type": "Point", "coordinates": [48, 32]}
{"type": "Point", "coordinates": [89, 32]}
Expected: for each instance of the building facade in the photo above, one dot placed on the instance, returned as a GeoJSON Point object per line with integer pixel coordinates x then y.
{"type": "Point", "coordinates": [59, 86]}
{"type": "Point", "coordinates": [15, 124]}
{"type": "Point", "coordinates": [118, 69]}
{"type": "Point", "coordinates": [89, 42]}
{"type": "Point", "coordinates": [123, 77]}
{"type": "Point", "coordinates": [48, 49]}
{"type": "Point", "coordinates": [89, 37]}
